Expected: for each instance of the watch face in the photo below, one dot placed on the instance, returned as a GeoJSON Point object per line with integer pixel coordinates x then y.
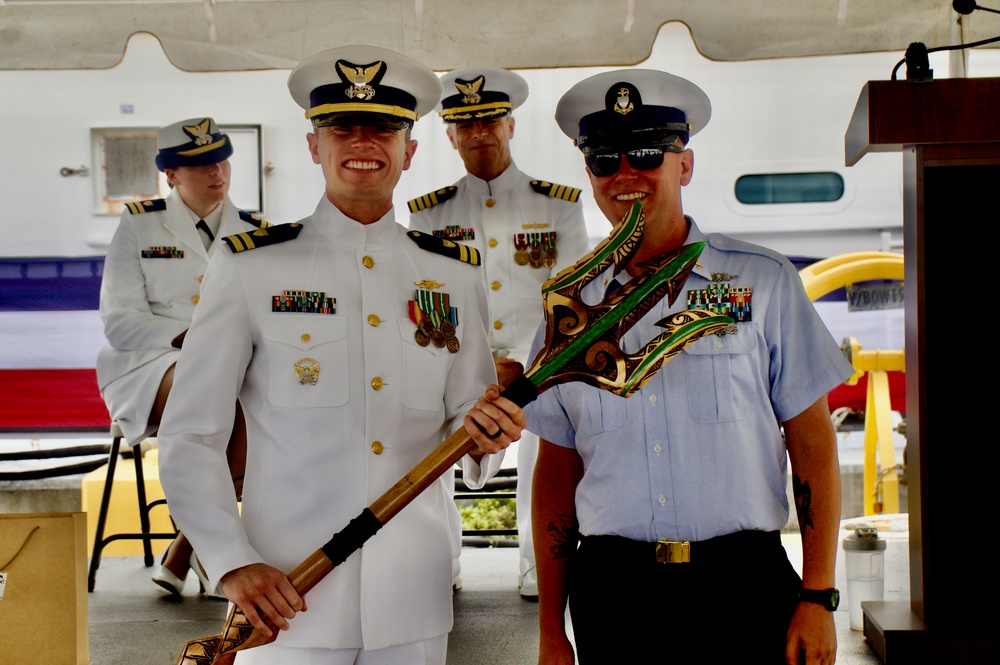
{"type": "Point", "coordinates": [834, 599]}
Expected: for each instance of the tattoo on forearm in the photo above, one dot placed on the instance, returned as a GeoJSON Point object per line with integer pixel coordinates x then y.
{"type": "Point", "coordinates": [565, 534]}
{"type": "Point", "coordinates": [803, 502]}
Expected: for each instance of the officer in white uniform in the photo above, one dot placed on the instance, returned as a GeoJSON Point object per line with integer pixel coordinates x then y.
{"type": "Point", "coordinates": [154, 267]}
{"type": "Point", "coordinates": [152, 276]}
{"type": "Point", "coordinates": [526, 229]}
{"type": "Point", "coordinates": [355, 347]}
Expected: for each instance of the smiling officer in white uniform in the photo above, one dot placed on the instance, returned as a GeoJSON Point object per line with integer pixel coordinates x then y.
{"type": "Point", "coordinates": [355, 347]}
{"type": "Point", "coordinates": [526, 229]}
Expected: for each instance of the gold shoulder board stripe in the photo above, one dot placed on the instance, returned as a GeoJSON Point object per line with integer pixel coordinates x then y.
{"type": "Point", "coordinates": [153, 205]}
{"type": "Point", "coordinates": [271, 235]}
{"type": "Point", "coordinates": [571, 194]}
{"type": "Point", "coordinates": [452, 250]}
{"type": "Point", "coordinates": [256, 220]}
{"type": "Point", "coordinates": [432, 199]}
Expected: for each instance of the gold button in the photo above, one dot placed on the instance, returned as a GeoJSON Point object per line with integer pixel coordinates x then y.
{"type": "Point", "coordinates": [492, 242]}
{"type": "Point", "coordinates": [495, 286]}
{"type": "Point", "coordinates": [368, 262]}
{"type": "Point", "coordinates": [306, 337]}
{"type": "Point", "coordinates": [377, 447]}
{"type": "Point", "coordinates": [377, 383]}
{"type": "Point", "coordinates": [373, 320]}
{"type": "Point", "coordinates": [497, 325]}
{"type": "Point", "coordinates": [200, 277]}
{"type": "Point", "coordinates": [490, 203]}
{"type": "Point", "coordinates": [195, 298]}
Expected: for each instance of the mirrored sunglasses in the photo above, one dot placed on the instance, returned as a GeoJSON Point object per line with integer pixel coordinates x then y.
{"type": "Point", "coordinates": [603, 164]}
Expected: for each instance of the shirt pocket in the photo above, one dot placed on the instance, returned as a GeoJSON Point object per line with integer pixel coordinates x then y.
{"type": "Point", "coordinates": [425, 369]}
{"type": "Point", "coordinates": [171, 281]}
{"type": "Point", "coordinates": [308, 358]}
{"type": "Point", "coordinates": [719, 376]}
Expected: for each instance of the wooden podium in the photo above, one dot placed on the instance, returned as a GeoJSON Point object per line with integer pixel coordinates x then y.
{"type": "Point", "coordinates": [949, 134]}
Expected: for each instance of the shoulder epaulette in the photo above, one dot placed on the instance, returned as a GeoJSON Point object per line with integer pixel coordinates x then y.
{"type": "Point", "coordinates": [452, 250]}
{"type": "Point", "coordinates": [153, 205]}
{"type": "Point", "coordinates": [256, 220]}
{"type": "Point", "coordinates": [571, 194]}
{"type": "Point", "coordinates": [432, 199]}
{"type": "Point", "coordinates": [272, 235]}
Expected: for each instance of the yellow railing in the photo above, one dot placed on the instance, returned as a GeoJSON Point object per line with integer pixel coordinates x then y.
{"type": "Point", "coordinates": [881, 489]}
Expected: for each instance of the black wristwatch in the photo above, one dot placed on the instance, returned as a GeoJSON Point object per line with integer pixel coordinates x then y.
{"type": "Point", "coordinates": [828, 598]}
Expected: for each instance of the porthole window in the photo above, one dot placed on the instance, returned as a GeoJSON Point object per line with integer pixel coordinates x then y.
{"type": "Point", "coordinates": [771, 188]}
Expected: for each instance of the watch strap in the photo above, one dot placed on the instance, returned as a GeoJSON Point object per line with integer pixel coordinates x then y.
{"type": "Point", "coordinates": [827, 598]}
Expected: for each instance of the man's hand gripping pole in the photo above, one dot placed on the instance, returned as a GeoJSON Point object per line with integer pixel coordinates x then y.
{"type": "Point", "coordinates": [582, 343]}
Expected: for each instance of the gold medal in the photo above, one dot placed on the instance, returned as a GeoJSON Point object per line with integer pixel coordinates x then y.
{"type": "Point", "coordinates": [448, 329]}
{"type": "Point", "coordinates": [422, 338]}
{"type": "Point", "coordinates": [521, 257]}
{"type": "Point", "coordinates": [453, 344]}
{"type": "Point", "coordinates": [438, 338]}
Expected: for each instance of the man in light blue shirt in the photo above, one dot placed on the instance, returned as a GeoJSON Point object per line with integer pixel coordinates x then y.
{"type": "Point", "coordinates": [676, 495]}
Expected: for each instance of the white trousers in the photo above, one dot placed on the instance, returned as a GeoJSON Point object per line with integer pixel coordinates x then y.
{"type": "Point", "coordinates": [428, 652]}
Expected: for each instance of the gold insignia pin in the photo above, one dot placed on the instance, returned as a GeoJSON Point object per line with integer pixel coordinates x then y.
{"type": "Point", "coordinates": [307, 371]}
{"type": "Point", "coordinates": [428, 284]}
{"type": "Point", "coordinates": [470, 90]}
{"type": "Point", "coordinates": [624, 106]}
{"type": "Point", "coordinates": [199, 132]}
{"type": "Point", "coordinates": [360, 77]}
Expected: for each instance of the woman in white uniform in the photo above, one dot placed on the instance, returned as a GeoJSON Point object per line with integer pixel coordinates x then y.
{"type": "Point", "coordinates": [152, 277]}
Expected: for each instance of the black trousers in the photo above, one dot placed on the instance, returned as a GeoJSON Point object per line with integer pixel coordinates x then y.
{"type": "Point", "coordinates": [732, 603]}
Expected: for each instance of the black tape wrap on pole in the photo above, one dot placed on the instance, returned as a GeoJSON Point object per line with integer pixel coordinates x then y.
{"type": "Point", "coordinates": [521, 391]}
{"type": "Point", "coordinates": [350, 539]}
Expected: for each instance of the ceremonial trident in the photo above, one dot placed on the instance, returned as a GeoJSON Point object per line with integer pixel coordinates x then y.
{"type": "Point", "coordinates": [581, 344]}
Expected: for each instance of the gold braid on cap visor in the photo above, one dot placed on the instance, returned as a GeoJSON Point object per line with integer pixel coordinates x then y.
{"type": "Point", "coordinates": [214, 145]}
{"type": "Point", "coordinates": [326, 109]}
{"type": "Point", "coordinates": [468, 112]}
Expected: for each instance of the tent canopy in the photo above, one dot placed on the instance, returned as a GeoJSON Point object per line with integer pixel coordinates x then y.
{"type": "Point", "coordinates": [232, 35]}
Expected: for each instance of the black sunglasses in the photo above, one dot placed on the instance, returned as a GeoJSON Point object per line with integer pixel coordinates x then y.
{"type": "Point", "coordinates": [603, 164]}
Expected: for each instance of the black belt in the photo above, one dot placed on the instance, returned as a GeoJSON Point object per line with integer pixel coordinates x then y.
{"type": "Point", "coordinates": [740, 543]}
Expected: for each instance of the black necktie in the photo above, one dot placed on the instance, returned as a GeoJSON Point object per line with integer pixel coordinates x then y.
{"type": "Point", "coordinates": [204, 227]}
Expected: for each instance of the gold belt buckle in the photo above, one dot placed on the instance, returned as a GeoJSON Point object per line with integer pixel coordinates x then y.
{"type": "Point", "coordinates": [673, 551]}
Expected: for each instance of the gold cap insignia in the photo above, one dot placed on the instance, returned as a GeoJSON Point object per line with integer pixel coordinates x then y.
{"type": "Point", "coordinates": [470, 89]}
{"type": "Point", "coordinates": [624, 106]}
{"type": "Point", "coordinates": [200, 132]}
{"type": "Point", "coordinates": [360, 77]}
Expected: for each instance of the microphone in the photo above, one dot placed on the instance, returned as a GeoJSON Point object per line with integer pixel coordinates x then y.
{"type": "Point", "coordinates": [966, 7]}
{"type": "Point", "coordinates": [918, 67]}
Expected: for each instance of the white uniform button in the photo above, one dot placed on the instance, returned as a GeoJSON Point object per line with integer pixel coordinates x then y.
{"type": "Point", "coordinates": [657, 449]}
{"type": "Point", "coordinates": [377, 383]}
{"type": "Point", "coordinates": [377, 447]}
{"type": "Point", "coordinates": [497, 325]}
{"type": "Point", "coordinates": [718, 343]}
{"type": "Point", "coordinates": [495, 286]}
{"type": "Point", "coordinates": [652, 399]}
{"type": "Point", "coordinates": [373, 320]}
{"type": "Point", "coordinates": [368, 262]}
{"type": "Point", "coordinates": [662, 499]}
